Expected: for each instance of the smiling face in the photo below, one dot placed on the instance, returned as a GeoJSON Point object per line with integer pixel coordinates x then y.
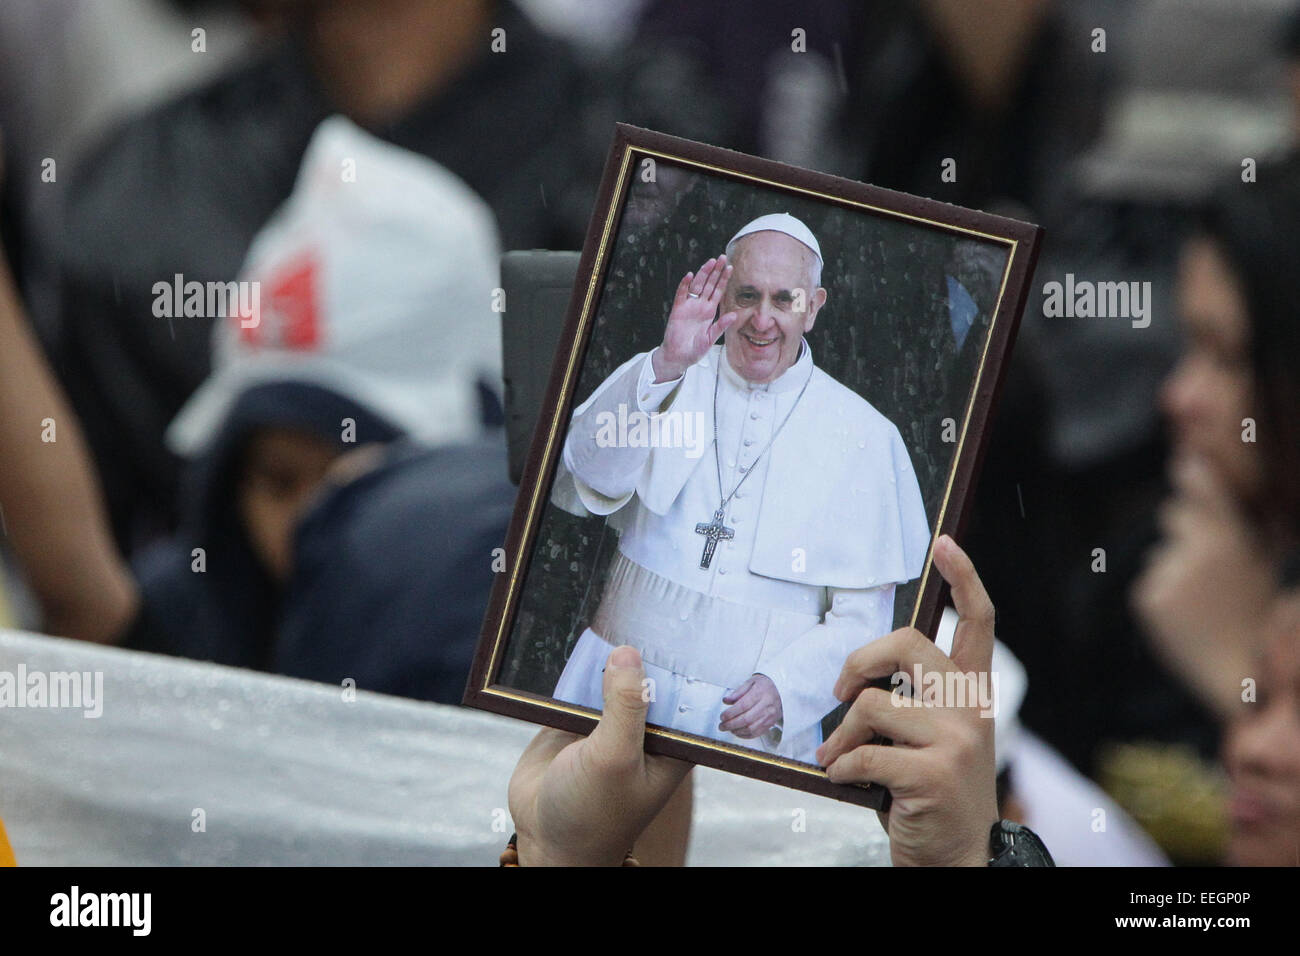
{"type": "Point", "coordinates": [1262, 754]}
{"type": "Point", "coordinates": [774, 291]}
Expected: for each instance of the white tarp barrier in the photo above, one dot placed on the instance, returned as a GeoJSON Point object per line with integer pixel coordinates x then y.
{"type": "Point", "coordinates": [287, 772]}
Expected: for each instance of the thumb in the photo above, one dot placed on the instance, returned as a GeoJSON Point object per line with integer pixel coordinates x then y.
{"type": "Point", "coordinates": [621, 730]}
{"type": "Point", "coordinates": [724, 322]}
{"type": "Point", "coordinates": [1196, 481]}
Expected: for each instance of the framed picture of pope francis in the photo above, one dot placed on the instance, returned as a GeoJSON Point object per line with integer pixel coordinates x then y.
{"type": "Point", "coordinates": [770, 397]}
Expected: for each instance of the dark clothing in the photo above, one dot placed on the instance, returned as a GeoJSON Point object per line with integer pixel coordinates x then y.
{"type": "Point", "coordinates": [184, 189]}
{"type": "Point", "coordinates": [391, 572]}
{"type": "Point", "coordinates": [227, 611]}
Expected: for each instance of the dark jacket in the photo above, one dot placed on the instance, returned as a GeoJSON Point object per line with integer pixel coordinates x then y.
{"type": "Point", "coordinates": [391, 572]}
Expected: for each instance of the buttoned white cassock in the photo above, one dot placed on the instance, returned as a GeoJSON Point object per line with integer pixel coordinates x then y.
{"type": "Point", "coordinates": [827, 523]}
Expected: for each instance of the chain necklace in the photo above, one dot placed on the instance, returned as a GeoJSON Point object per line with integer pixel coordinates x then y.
{"type": "Point", "coordinates": [716, 530]}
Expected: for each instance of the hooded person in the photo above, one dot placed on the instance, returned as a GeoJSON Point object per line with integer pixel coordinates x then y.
{"type": "Point", "coordinates": [349, 414]}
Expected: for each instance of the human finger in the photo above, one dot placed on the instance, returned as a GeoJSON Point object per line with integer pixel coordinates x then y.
{"type": "Point", "coordinates": [620, 733]}
{"type": "Point", "coordinates": [739, 692]}
{"type": "Point", "coordinates": [701, 277]}
{"type": "Point", "coordinates": [897, 651]}
{"type": "Point", "coordinates": [756, 722]}
{"type": "Point", "coordinates": [683, 289]}
{"type": "Point", "coordinates": [723, 323]}
{"type": "Point", "coordinates": [877, 711]}
{"type": "Point", "coordinates": [894, 768]}
{"type": "Point", "coordinates": [972, 642]}
{"type": "Point", "coordinates": [735, 716]}
{"type": "Point", "coordinates": [1196, 480]}
{"type": "Point", "coordinates": [721, 272]}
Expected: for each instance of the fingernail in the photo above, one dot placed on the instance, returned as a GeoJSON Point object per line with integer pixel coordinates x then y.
{"type": "Point", "coordinates": [624, 656]}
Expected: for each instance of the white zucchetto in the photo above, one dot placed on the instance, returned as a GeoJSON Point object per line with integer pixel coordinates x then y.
{"type": "Point", "coordinates": [780, 222]}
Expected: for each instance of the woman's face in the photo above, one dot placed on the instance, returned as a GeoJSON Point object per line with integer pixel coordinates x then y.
{"type": "Point", "coordinates": [1210, 392]}
{"type": "Point", "coordinates": [1262, 753]}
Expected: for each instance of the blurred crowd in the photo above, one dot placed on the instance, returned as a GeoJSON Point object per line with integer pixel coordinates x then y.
{"type": "Point", "coordinates": [318, 492]}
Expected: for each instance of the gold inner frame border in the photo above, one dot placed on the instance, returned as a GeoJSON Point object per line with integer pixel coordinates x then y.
{"type": "Point", "coordinates": [618, 199]}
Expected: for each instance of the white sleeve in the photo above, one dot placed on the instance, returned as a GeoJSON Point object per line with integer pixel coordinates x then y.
{"type": "Point", "coordinates": [652, 395]}
{"type": "Point", "coordinates": [805, 671]}
{"type": "Point", "coordinates": [604, 469]}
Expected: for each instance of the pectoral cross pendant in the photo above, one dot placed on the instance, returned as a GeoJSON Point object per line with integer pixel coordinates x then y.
{"type": "Point", "coordinates": [713, 532]}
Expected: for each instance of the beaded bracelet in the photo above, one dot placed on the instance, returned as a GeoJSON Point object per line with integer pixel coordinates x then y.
{"type": "Point", "coordinates": [510, 855]}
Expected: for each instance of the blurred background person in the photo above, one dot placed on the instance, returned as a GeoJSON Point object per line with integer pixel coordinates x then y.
{"type": "Point", "coordinates": [182, 188]}
{"type": "Point", "coordinates": [69, 71]}
{"type": "Point", "coordinates": [1212, 596]}
{"type": "Point", "coordinates": [375, 324]}
{"type": "Point", "coordinates": [1233, 517]}
{"type": "Point", "coordinates": [1262, 751]}
{"type": "Point", "coordinates": [1107, 122]}
{"type": "Point", "coordinates": [346, 479]}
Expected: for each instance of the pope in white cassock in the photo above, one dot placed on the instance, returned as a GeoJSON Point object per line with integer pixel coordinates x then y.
{"type": "Point", "coordinates": [745, 574]}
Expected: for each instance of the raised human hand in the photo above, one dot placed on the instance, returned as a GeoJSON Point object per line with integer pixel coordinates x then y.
{"type": "Point", "coordinates": [1205, 591]}
{"type": "Point", "coordinates": [693, 322]}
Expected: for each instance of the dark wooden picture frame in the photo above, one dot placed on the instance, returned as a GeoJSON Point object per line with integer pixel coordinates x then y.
{"type": "Point", "coordinates": [631, 147]}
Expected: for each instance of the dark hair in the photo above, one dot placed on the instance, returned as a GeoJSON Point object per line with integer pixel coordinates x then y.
{"type": "Point", "coordinates": [1290, 45]}
{"type": "Point", "coordinates": [1257, 227]}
